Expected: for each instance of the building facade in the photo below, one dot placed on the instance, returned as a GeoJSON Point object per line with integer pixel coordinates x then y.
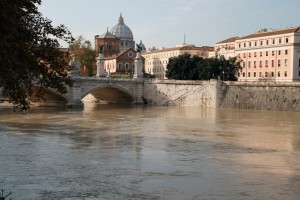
{"type": "Point", "coordinates": [118, 48]}
{"type": "Point", "coordinates": [225, 48]}
{"type": "Point", "coordinates": [268, 55]}
{"type": "Point", "coordinates": [156, 61]}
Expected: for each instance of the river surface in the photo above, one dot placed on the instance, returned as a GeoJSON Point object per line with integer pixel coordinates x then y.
{"type": "Point", "coordinates": [135, 152]}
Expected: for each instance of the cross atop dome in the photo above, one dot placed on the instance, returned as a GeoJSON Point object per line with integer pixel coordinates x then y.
{"type": "Point", "coordinates": [121, 20]}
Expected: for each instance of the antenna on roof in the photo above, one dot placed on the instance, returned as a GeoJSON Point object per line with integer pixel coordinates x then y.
{"type": "Point", "coordinates": [184, 39]}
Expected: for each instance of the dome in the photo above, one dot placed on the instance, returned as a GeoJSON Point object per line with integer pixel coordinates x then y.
{"type": "Point", "coordinates": [121, 30]}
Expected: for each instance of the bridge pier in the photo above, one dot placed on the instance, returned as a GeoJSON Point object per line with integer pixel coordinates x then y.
{"type": "Point", "coordinates": [100, 66]}
{"type": "Point", "coordinates": [75, 96]}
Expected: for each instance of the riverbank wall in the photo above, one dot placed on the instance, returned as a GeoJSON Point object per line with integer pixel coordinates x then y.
{"type": "Point", "coordinates": [282, 96]}
{"type": "Point", "coordinates": [183, 93]}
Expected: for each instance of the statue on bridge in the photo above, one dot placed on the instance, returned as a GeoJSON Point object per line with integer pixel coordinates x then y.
{"type": "Point", "coordinates": [74, 67]}
{"type": "Point", "coordinates": [100, 46]}
{"type": "Point", "coordinates": [139, 48]}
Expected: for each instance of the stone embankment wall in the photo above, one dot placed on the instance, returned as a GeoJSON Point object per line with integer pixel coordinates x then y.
{"type": "Point", "coordinates": [260, 95]}
{"type": "Point", "coordinates": [184, 93]}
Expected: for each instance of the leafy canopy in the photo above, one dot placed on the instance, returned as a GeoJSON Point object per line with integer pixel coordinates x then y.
{"type": "Point", "coordinates": [185, 67]}
{"type": "Point", "coordinates": [29, 52]}
{"type": "Point", "coordinates": [84, 53]}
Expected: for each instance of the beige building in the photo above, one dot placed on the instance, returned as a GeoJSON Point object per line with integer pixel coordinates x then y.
{"type": "Point", "coordinates": [156, 61]}
{"type": "Point", "coordinates": [225, 48]}
{"type": "Point", "coordinates": [270, 55]}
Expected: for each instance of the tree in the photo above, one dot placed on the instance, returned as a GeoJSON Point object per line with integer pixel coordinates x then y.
{"type": "Point", "coordinates": [29, 52]}
{"type": "Point", "coordinates": [185, 67]}
{"type": "Point", "coordinates": [82, 50]}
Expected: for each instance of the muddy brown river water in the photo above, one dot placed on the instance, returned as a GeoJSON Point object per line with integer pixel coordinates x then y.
{"type": "Point", "coordinates": [140, 152]}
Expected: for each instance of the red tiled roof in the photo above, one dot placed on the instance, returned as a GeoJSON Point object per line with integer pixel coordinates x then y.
{"type": "Point", "coordinates": [187, 47]}
{"type": "Point", "coordinates": [270, 33]}
{"type": "Point", "coordinates": [232, 39]}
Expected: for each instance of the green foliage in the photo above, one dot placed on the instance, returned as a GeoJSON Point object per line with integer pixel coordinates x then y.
{"type": "Point", "coordinates": [185, 67]}
{"type": "Point", "coordinates": [83, 52]}
{"type": "Point", "coordinates": [29, 52]}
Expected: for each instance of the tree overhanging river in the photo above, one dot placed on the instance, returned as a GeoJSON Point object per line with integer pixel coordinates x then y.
{"type": "Point", "coordinates": [136, 152]}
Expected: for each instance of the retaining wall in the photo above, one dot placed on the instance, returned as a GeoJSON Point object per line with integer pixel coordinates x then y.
{"type": "Point", "coordinates": [260, 95]}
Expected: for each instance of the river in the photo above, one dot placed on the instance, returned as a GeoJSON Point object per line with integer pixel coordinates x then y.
{"type": "Point", "coordinates": [144, 152]}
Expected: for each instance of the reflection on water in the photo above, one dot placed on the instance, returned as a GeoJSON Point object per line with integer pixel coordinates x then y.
{"type": "Point", "coordinates": [140, 152]}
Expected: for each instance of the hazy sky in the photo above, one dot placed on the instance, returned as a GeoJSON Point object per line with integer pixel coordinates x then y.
{"type": "Point", "coordinates": [163, 23]}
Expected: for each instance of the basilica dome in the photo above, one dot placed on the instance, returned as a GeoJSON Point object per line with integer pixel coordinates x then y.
{"type": "Point", "coordinates": [121, 30]}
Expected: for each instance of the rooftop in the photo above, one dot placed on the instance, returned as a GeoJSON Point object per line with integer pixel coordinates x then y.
{"type": "Point", "coordinates": [271, 33]}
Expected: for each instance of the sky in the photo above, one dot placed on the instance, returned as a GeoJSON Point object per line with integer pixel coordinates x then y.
{"type": "Point", "coordinates": [163, 23]}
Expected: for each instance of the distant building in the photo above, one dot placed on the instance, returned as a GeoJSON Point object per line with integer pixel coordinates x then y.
{"type": "Point", "coordinates": [118, 48]}
{"type": "Point", "coordinates": [225, 48]}
{"type": "Point", "coordinates": [268, 55]}
{"type": "Point", "coordinates": [156, 61]}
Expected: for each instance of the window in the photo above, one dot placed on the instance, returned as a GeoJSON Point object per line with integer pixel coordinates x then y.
{"type": "Point", "coordinates": [249, 55]}
{"type": "Point", "coordinates": [254, 74]}
{"type": "Point", "coordinates": [267, 42]}
{"type": "Point", "coordinates": [272, 74]}
{"type": "Point", "coordinates": [254, 64]}
{"type": "Point", "coordinates": [272, 65]}
{"type": "Point", "coordinates": [267, 53]}
{"type": "Point", "coordinates": [249, 44]}
{"type": "Point", "coordinates": [279, 40]}
{"type": "Point", "coordinates": [249, 64]}
{"type": "Point", "coordinates": [279, 63]}
{"type": "Point", "coordinates": [259, 74]}
{"type": "Point", "coordinates": [278, 74]}
{"type": "Point", "coordinates": [299, 63]}
{"type": "Point", "coordinates": [127, 66]}
{"type": "Point", "coordinates": [286, 40]}
{"type": "Point", "coordinates": [260, 54]}
{"type": "Point", "coordinates": [244, 64]}
{"type": "Point", "coordinates": [260, 63]}
{"type": "Point", "coordinates": [244, 55]}
{"type": "Point", "coordinates": [266, 74]}
{"type": "Point", "coordinates": [286, 52]}
{"type": "Point", "coordinates": [285, 62]}
{"type": "Point", "coordinates": [239, 45]}
{"type": "Point", "coordinates": [239, 74]}
{"type": "Point", "coordinates": [261, 43]}
{"type": "Point", "coordinates": [249, 74]}
{"type": "Point", "coordinates": [285, 73]}
{"type": "Point", "coordinates": [243, 74]}
{"type": "Point", "coordinates": [254, 54]}
{"type": "Point", "coordinates": [273, 41]}
{"type": "Point", "coordinates": [255, 43]}
{"type": "Point", "coordinates": [244, 44]}
{"type": "Point", "coordinates": [119, 66]}
{"type": "Point", "coordinates": [279, 52]}
{"type": "Point", "coordinates": [266, 63]}
{"type": "Point", "coordinates": [273, 53]}
{"type": "Point", "coordinates": [298, 73]}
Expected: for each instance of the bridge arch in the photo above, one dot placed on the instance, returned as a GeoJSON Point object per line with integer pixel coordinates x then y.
{"type": "Point", "coordinates": [111, 93]}
{"type": "Point", "coordinates": [50, 97]}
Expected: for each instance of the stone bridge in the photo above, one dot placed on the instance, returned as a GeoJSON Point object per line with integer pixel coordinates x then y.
{"type": "Point", "coordinates": [106, 89]}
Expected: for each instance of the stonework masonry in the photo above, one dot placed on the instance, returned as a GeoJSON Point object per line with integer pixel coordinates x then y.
{"type": "Point", "coordinates": [184, 93]}
{"type": "Point", "coordinates": [282, 96]}
{"type": "Point", "coordinates": [260, 95]}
